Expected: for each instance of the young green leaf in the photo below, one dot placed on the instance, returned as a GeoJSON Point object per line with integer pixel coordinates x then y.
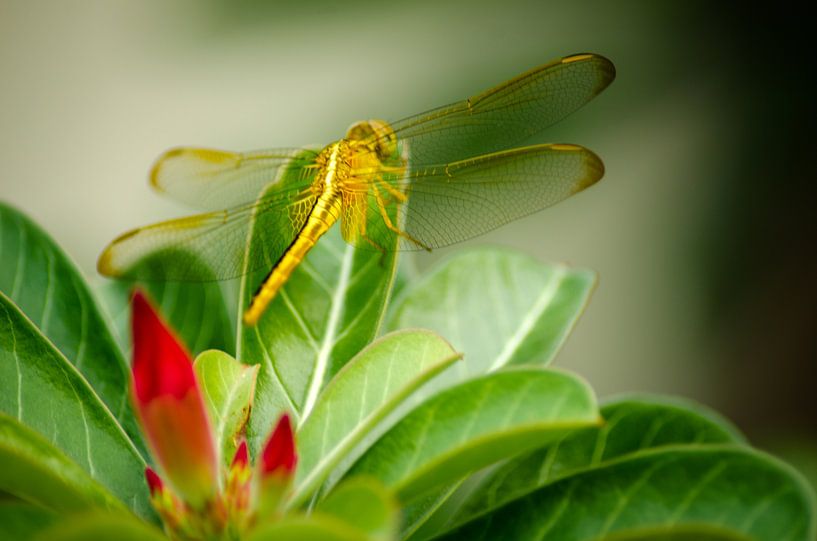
{"type": "Point", "coordinates": [101, 527]}
{"type": "Point", "coordinates": [46, 285]}
{"type": "Point", "coordinates": [228, 387]}
{"type": "Point", "coordinates": [632, 424]}
{"type": "Point", "coordinates": [314, 527]}
{"type": "Point", "coordinates": [42, 390]}
{"type": "Point", "coordinates": [671, 488]}
{"type": "Point", "coordinates": [368, 388]}
{"type": "Point", "coordinates": [475, 424]}
{"type": "Point", "coordinates": [35, 471]}
{"type": "Point", "coordinates": [532, 307]}
{"type": "Point", "coordinates": [365, 505]}
{"type": "Point", "coordinates": [328, 310]}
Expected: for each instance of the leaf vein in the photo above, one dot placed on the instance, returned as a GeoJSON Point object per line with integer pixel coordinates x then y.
{"type": "Point", "coordinates": [531, 316]}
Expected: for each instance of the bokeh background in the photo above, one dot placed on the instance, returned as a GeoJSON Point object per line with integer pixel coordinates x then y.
{"type": "Point", "coordinates": [702, 232]}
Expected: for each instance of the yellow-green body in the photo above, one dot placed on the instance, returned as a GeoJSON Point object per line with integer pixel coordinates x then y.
{"type": "Point", "coordinates": [334, 178]}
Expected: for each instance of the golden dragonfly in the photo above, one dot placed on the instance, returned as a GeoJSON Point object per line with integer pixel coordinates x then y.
{"type": "Point", "coordinates": [420, 183]}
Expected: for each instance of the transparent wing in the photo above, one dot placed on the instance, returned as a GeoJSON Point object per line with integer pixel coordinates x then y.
{"type": "Point", "coordinates": [430, 205]}
{"type": "Point", "coordinates": [505, 115]}
{"type": "Point", "coordinates": [214, 245]}
{"type": "Point", "coordinates": [214, 179]}
{"type": "Point", "coordinates": [437, 206]}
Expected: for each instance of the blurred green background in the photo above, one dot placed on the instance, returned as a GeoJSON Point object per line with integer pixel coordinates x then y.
{"type": "Point", "coordinates": [702, 230]}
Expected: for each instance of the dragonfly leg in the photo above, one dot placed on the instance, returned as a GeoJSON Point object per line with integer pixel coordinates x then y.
{"type": "Point", "coordinates": [377, 247]}
{"type": "Point", "coordinates": [385, 215]}
{"type": "Point", "coordinates": [372, 242]}
{"type": "Point", "coordinates": [400, 169]}
{"type": "Point", "coordinates": [364, 236]}
{"type": "Point", "coordinates": [394, 192]}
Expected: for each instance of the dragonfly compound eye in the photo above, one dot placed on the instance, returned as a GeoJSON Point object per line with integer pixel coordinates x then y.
{"type": "Point", "coordinates": [386, 140]}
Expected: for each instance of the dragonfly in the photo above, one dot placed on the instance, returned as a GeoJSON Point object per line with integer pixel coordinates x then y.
{"type": "Point", "coordinates": [421, 183]}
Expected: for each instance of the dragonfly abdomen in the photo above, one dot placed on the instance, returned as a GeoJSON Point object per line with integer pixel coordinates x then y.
{"type": "Point", "coordinates": [323, 216]}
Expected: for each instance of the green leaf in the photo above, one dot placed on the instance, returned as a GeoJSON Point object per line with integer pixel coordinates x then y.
{"type": "Point", "coordinates": [35, 471]}
{"type": "Point", "coordinates": [475, 424]}
{"type": "Point", "coordinates": [307, 528]}
{"type": "Point", "coordinates": [368, 388]}
{"type": "Point", "coordinates": [406, 273]}
{"type": "Point", "coordinates": [19, 521]}
{"type": "Point", "coordinates": [197, 311]}
{"type": "Point", "coordinates": [329, 309]}
{"type": "Point", "coordinates": [42, 390]}
{"type": "Point", "coordinates": [422, 517]}
{"type": "Point", "coordinates": [101, 527]}
{"type": "Point", "coordinates": [678, 533]}
{"type": "Point", "coordinates": [727, 487]}
{"type": "Point", "coordinates": [228, 388]}
{"type": "Point", "coordinates": [632, 424]}
{"type": "Point", "coordinates": [532, 307]}
{"type": "Point", "coordinates": [365, 505]}
{"type": "Point", "coordinates": [47, 286]}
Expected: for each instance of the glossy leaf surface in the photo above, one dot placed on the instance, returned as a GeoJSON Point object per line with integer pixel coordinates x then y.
{"type": "Point", "coordinates": [474, 424]}
{"type": "Point", "coordinates": [49, 289]}
{"type": "Point", "coordinates": [731, 488]}
{"type": "Point", "coordinates": [36, 472]}
{"type": "Point", "coordinates": [631, 425]}
{"type": "Point", "coordinates": [42, 390]}
{"type": "Point", "coordinates": [498, 307]}
{"type": "Point", "coordinates": [369, 387]}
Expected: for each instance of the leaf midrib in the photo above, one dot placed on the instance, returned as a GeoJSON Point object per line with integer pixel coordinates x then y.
{"type": "Point", "coordinates": [525, 326]}
{"type": "Point", "coordinates": [332, 458]}
{"type": "Point", "coordinates": [518, 430]}
{"type": "Point", "coordinates": [322, 361]}
{"type": "Point", "coordinates": [690, 448]}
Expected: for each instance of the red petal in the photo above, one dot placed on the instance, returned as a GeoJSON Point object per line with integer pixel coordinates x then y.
{"type": "Point", "coordinates": [161, 365]}
{"type": "Point", "coordinates": [170, 407]}
{"type": "Point", "coordinates": [155, 483]}
{"type": "Point", "coordinates": [241, 457]}
{"type": "Point", "coordinates": [279, 453]}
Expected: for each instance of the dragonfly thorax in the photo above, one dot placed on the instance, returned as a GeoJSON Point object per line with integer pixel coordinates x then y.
{"type": "Point", "coordinates": [377, 135]}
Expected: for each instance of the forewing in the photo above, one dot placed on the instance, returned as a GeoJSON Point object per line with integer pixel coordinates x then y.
{"type": "Point", "coordinates": [448, 204]}
{"type": "Point", "coordinates": [505, 115]}
{"type": "Point", "coordinates": [212, 246]}
{"type": "Point", "coordinates": [210, 179]}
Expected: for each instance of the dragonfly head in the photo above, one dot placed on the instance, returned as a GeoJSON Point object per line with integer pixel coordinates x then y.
{"type": "Point", "coordinates": [377, 134]}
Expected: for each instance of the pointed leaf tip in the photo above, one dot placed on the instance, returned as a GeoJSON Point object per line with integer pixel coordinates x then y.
{"type": "Point", "coordinates": [161, 365]}
{"type": "Point", "coordinates": [279, 455]}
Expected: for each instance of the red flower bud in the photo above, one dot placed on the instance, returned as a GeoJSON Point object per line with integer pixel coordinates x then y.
{"type": "Point", "coordinates": [237, 491]}
{"type": "Point", "coordinates": [279, 456]}
{"type": "Point", "coordinates": [276, 468]}
{"type": "Point", "coordinates": [155, 483]}
{"type": "Point", "coordinates": [170, 407]}
{"type": "Point", "coordinates": [241, 458]}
